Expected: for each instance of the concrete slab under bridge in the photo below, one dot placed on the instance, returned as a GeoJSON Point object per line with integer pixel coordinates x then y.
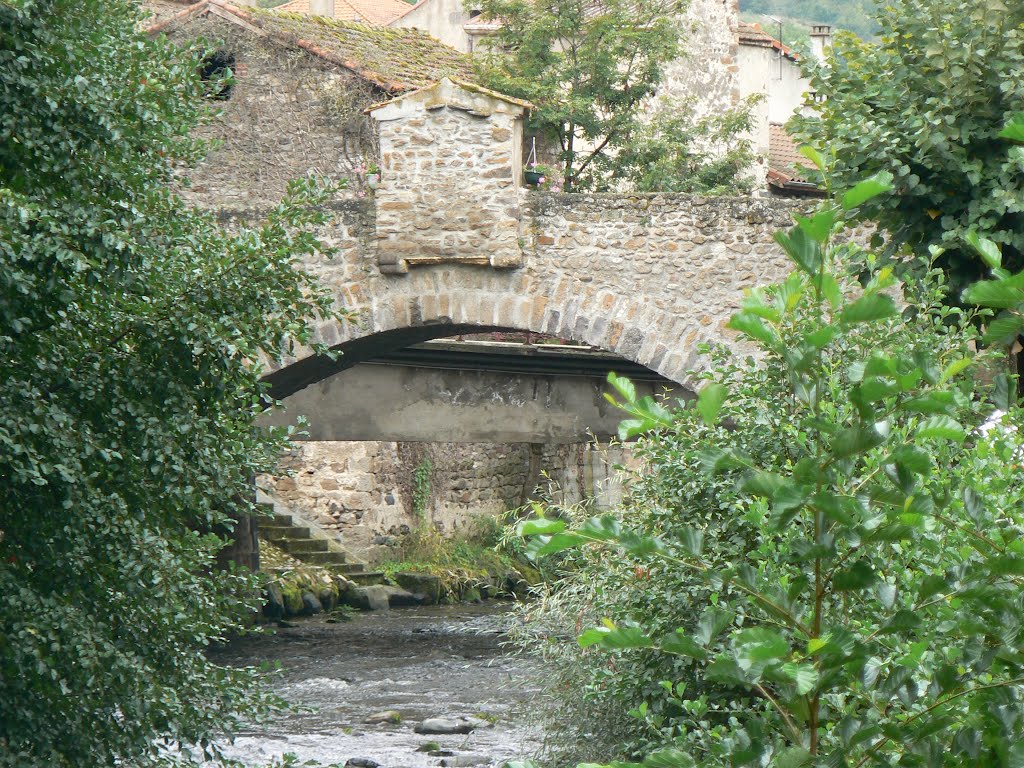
{"type": "Point", "coordinates": [472, 392]}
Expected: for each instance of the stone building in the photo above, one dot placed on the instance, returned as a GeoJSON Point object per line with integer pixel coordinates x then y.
{"type": "Point", "coordinates": [771, 70]}
{"type": "Point", "coordinates": [301, 85]}
{"type": "Point", "coordinates": [445, 242]}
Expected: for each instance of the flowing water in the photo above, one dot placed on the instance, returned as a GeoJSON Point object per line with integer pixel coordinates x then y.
{"type": "Point", "coordinates": [423, 662]}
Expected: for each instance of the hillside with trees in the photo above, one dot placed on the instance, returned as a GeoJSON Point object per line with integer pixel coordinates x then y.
{"type": "Point", "coordinates": [852, 15]}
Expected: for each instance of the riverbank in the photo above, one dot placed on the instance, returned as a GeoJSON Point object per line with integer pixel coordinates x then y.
{"type": "Point", "coordinates": [453, 573]}
{"type": "Point", "coordinates": [446, 662]}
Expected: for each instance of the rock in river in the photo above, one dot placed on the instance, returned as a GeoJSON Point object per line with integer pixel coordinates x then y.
{"type": "Point", "coordinates": [387, 716]}
{"type": "Point", "coordinates": [450, 725]}
{"type": "Point", "coordinates": [380, 597]}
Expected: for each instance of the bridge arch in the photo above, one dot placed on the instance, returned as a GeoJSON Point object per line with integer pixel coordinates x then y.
{"type": "Point", "coordinates": [443, 302]}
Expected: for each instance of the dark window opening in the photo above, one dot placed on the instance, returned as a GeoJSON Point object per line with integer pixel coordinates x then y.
{"type": "Point", "coordinates": [217, 70]}
{"type": "Point", "coordinates": [474, 13]}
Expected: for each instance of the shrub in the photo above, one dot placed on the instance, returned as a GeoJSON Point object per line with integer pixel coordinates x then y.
{"type": "Point", "coordinates": [829, 548]}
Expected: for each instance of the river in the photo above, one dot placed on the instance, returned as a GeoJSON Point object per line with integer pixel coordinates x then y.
{"type": "Point", "coordinates": [443, 661]}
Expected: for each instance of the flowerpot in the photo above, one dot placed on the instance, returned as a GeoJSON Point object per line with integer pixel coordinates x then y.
{"type": "Point", "coordinates": [373, 180]}
{"type": "Point", "coordinates": [533, 178]}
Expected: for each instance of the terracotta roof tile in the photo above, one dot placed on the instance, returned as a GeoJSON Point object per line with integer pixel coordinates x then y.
{"type": "Point", "coordinates": [753, 34]}
{"type": "Point", "coordinates": [785, 163]}
{"type": "Point", "coordinates": [376, 13]}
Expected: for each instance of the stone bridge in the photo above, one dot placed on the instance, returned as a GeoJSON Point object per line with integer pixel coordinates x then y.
{"type": "Point", "coordinates": [451, 242]}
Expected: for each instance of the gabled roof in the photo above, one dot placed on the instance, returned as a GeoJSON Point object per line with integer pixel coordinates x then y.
{"type": "Point", "coordinates": [458, 94]}
{"type": "Point", "coordinates": [376, 13]}
{"type": "Point", "coordinates": [753, 34]}
{"type": "Point", "coordinates": [786, 166]}
{"type": "Point", "coordinates": [394, 59]}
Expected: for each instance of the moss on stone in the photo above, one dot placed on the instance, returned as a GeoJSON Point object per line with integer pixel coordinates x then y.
{"type": "Point", "coordinates": [292, 597]}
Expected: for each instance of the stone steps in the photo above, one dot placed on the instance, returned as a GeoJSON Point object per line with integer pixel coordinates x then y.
{"type": "Point", "coordinates": [279, 532]}
{"type": "Point", "coordinates": [295, 545]}
{"type": "Point", "coordinates": [311, 545]}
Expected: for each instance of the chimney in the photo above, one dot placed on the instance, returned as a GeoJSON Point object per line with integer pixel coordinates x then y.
{"type": "Point", "coordinates": [821, 38]}
{"type": "Point", "coordinates": [324, 8]}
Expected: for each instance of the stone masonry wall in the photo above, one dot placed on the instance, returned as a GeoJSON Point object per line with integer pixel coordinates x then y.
{"type": "Point", "coordinates": [367, 491]}
{"type": "Point", "coordinates": [289, 115]}
{"type": "Point", "coordinates": [706, 74]}
{"type": "Point", "coordinates": [448, 191]}
{"type": "Point", "coordinates": [648, 277]}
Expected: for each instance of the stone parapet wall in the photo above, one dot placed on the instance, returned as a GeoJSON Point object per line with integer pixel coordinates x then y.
{"type": "Point", "coordinates": [367, 491]}
{"type": "Point", "coordinates": [648, 277]}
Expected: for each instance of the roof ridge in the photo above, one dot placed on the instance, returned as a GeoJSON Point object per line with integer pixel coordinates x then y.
{"type": "Point", "coordinates": [407, 11]}
{"type": "Point", "coordinates": [427, 61]}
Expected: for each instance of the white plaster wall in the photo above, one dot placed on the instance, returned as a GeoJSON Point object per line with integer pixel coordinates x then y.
{"type": "Point", "coordinates": [754, 79]}
{"type": "Point", "coordinates": [782, 88]}
{"type": "Point", "coordinates": [785, 93]}
{"type": "Point", "coordinates": [442, 19]}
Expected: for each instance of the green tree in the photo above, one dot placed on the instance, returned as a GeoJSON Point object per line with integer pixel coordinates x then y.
{"type": "Point", "coordinates": [873, 614]}
{"type": "Point", "coordinates": [130, 324]}
{"type": "Point", "coordinates": [927, 103]}
{"type": "Point", "coordinates": [589, 67]}
{"type": "Point", "coordinates": [677, 151]}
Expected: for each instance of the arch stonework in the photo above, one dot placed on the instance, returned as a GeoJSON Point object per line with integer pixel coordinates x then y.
{"type": "Point", "coordinates": [451, 241]}
{"type": "Point", "coordinates": [648, 277]}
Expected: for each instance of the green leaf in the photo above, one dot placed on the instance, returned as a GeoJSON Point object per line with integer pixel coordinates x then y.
{"type": "Point", "coordinates": [857, 576]}
{"type": "Point", "coordinates": [813, 155]}
{"type": "Point", "coordinates": [868, 309]}
{"type": "Point", "coordinates": [763, 483]}
{"type": "Point", "coordinates": [801, 248]}
{"type": "Point", "coordinates": [819, 225]}
{"type": "Point", "coordinates": [941, 428]}
{"type": "Point", "coordinates": [669, 758]}
{"type": "Point", "coordinates": [1014, 129]}
{"type": "Point", "coordinates": [681, 644]}
{"type": "Point", "coordinates": [717, 460]}
{"type": "Point", "coordinates": [793, 757]}
{"type": "Point", "coordinates": [692, 540]}
{"type": "Point", "coordinates": [759, 644]}
{"type": "Point", "coordinates": [1007, 566]}
{"type": "Point", "coordinates": [603, 528]}
{"type": "Point", "coordinates": [710, 400]}
{"type": "Point", "coordinates": [623, 386]}
{"type": "Point", "coordinates": [815, 644]}
{"type": "Point", "coordinates": [866, 190]}
{"type": "Point", "coordinates": [955, 368]}
{"type": "Point", "coordinates": [803, 675]}
{"type": "Point", "coordinates": [915, 459]}
{"type": "Point", "coordinates": [932, 402]}
{"type": "Point", "coordinates": [997, 294]}
{"type": "Point", "coordinates": [751, 325]}
{"type": "Point", "coordinates": [725, 670]}
{"type": "Point", "coordinates": [988, 250]}
{"type": "Point", "coordinates": [615, 638]}
{"type": "Point", "coordinates": [712, 623]}
{"type": "Point", "coordinates": [542, 546]}
{"type": "Point", "coordinates": [856, 440]}
{"type": "Point", "coordinates": [1004, 329]}
{"type": "Point", "coordinates": [540, 527]}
